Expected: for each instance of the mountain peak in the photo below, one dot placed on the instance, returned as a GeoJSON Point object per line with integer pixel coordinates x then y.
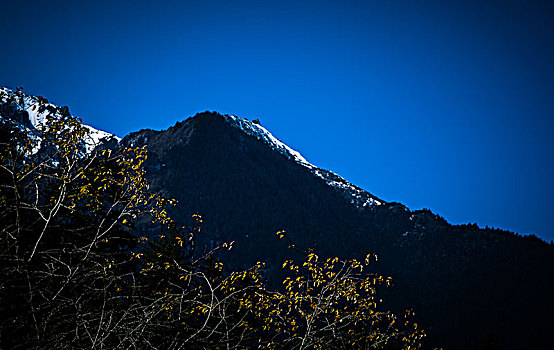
{"type": "Point", "coordinates": [354, 194]}
{"type": "Point", "coordinates": [31, 112]}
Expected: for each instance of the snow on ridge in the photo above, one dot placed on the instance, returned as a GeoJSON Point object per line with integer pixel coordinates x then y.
{"type": "Point", "coordinates": [38, 110]}
{"type": "Point", "coordinates": [358, 196]}
{"type": "Point", "coordinates": [260, 132]}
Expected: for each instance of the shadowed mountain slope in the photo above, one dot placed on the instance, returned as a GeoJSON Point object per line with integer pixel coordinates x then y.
{"type": "Point", "coordinates": [471, 287]}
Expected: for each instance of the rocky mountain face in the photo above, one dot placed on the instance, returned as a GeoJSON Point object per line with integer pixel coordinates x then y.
{"type": "Point", "coordinates": [470, 288]}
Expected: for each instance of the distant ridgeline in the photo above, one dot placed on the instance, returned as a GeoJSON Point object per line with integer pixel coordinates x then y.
{"type": "Point", "coordinates": [470, 288]}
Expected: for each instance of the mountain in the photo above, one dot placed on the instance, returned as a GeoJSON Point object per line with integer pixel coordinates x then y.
{"type": "Point", "coordinates": [32, 112]}
{"type": "Point", "coordinates": [471, 288]}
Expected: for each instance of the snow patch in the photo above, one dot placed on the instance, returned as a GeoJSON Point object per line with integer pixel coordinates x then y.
{"type": "Point", "coordinates": [261, 133]}
{"type": "Point", "coordinates": [38, 110]}
{"type": "Point", "coordinates": [359, 197]}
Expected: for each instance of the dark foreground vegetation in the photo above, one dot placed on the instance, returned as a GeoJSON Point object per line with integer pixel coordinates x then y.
{"type": "Point", "coordinates": [74, 273]}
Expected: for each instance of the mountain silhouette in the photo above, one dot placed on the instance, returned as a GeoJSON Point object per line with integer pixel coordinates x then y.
{"type": "Point", "coordinates": [471, 288]}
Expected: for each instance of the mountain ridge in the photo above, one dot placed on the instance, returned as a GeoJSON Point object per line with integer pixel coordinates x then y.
{"type": "Point", "coordinates": [460, 279]}
{"type": "Point", "coordinates": [32, 112]}
{"type": "Point", "coordinates": [360, 197]}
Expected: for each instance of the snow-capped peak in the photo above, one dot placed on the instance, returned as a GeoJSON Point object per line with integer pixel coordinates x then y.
{"type": "Point", "coordinates": [38, 109]}
{"type": "Point", "coordinates": [356, 195]}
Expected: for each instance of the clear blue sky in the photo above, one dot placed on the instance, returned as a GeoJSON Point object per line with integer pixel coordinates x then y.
{"type": "Point", "coordinates": [439, 104]}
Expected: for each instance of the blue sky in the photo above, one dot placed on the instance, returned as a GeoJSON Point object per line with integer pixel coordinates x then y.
{"type": "Point", "coordinates": [447, 105]}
